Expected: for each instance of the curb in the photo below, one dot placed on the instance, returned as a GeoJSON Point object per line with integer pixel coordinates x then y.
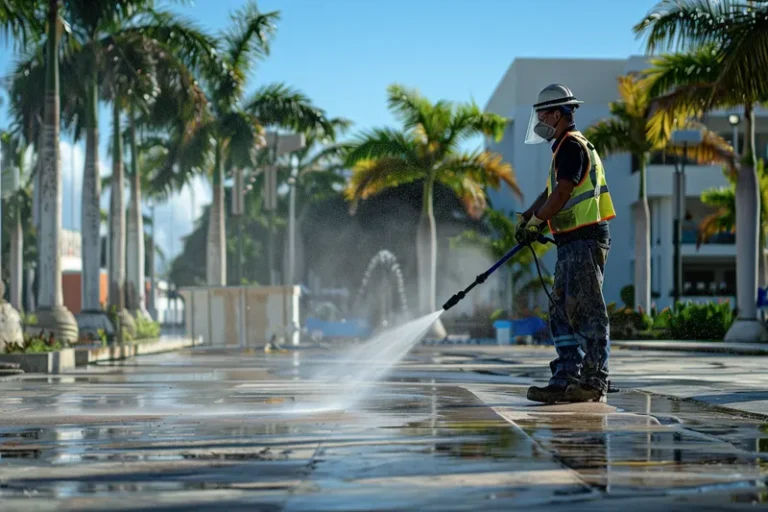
{"type": "Point", "coordinates": [719, 347]}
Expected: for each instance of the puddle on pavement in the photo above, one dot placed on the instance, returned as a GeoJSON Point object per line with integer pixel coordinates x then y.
{"type": "Point", "coordinates": [650, 443]}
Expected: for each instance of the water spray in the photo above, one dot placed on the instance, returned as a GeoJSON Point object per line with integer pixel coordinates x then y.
{"type": "Point", "coordinates": [482, 277]}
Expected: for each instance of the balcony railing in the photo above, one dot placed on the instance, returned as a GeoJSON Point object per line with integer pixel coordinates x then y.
{"type": "Point", "coordinates": [724, 238]}
{"type": "Point", "coordinates": [708, 289]}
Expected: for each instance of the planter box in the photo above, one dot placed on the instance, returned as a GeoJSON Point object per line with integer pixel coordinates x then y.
{"type": "Point", "coordinates": [88, 355]}
{"type": "Point", "coordinates": [50, 362]}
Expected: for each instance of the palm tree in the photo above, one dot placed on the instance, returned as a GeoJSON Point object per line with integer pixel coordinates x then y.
{"type": "Point", "coordinates": [52, 315]}
{"type": "Point", "coordinates": [723, 219]}
{"type": "Point", "coordinates": [627, 131]}
{"type": "Point", "coordinates": [110, 51]}
{"type": "Point", "coordinates": [235, 132]}
{"type": "Point", "coordinates": [173, 118]}
{"type": "Point", "coordinates": [723, 43]}
{"type": "Point", "coordinates": [427, 149]}
{"type": "Point", "coordinates": [237, 124]}
{"type": "Point", "coordinates": [16, 210]}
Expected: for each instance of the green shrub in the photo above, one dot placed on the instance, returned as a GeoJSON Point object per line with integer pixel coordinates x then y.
{"type": "Point", "coordinates": [499, 314]}
{"type": "Point", "coordinates": [708, 321]}
{"type": "Point", "coordinates": [146, 328]}
{"type": "Point", "coordinates": [35, 344]}
{"type": "Point", "coordinates": [625, 323]}
{"type": "Point", "coordinates": [661, 320]}
{"type": "Point", "coordinates": [628, 296]}
{"type": "Point", "coordinates": [28, 319]}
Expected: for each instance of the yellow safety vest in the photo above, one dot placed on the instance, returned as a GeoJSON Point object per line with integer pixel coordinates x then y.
{"type": "Point", "coordinates": [590, 201]}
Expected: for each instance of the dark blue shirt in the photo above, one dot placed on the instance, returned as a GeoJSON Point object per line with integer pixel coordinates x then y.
{"type": "Point", "coordinates": [571, 163]}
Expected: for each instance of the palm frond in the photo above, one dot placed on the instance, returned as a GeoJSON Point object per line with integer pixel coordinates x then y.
{"type": "Point", "coordinates": [610, 136]}
{"type": "Point", "coordinates": [667, 72]}
{"type": "Point", "coordinates": [713, 149]}
{"type": "Point", "coordinates": [410, 107]}
{"type": "Point", "coordinates": [369, 177]}
{"type": "Point", "coordinates": [469, 120]}
{"type": "Point", "coordinates": [712, 225]}
{"type": "Point", "coordinates": [469, 191]}
{"type": "Point", "coordinates": [175, 34]}
{"type": "Point", "coordinates": [483, 167]}
{"type": "Point", "coordinates": [634, 98]}
{"type": "Point", "coordinates": [746, 50]}
{"type": "Point", "coordinates": [245, 137]}
{"type": "Point", "coordinates": [248, 40]}
{"type": "Point", "coordinates": [685, 24]}
{"type": "Point", "coordinates": [383, 142]}
{"type": "Point", "coordinates": [279, 105]}
{"type": "Point", "coordinates": [671, 111]}
{"type": "Point", "coordinates": [334, 153]}
{"type": "Point", "coordinates": [21, 21]}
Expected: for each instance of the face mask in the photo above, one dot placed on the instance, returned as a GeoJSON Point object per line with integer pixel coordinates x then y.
{"type": "Point", "coordinates": [545, 131]}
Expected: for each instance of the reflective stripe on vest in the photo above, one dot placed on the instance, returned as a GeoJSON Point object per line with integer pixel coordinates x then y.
{"type": "Point", "coordinates": [590, 200]}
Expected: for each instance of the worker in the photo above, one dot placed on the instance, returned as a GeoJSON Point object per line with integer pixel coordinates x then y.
{"type": "Point", "coordinates": [576, 206]}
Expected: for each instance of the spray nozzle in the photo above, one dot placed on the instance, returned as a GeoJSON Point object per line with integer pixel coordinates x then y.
{"type": "Point", "coordinates": [453, 301]}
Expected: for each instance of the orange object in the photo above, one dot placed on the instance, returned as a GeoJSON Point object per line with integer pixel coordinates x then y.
{"type": "Point", "coordinates": [72, 288]}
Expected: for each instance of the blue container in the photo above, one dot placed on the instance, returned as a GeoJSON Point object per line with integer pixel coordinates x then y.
{"type": "Point", "coordinates": [503, 331]}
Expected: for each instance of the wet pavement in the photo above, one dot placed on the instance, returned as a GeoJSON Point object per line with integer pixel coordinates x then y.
{"type": "Point", "coordinates": [448, 430]}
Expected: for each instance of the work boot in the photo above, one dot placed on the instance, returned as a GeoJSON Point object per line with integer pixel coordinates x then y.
{"type": "Point", "coordinates": [549, 394]}
{"type": "Point", "coordinates": [584, 393]}
{"type": "Point", "coordinates": [591, 387]}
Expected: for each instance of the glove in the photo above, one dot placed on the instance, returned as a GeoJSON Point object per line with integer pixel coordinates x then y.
{"type": "Point", "coordinates": [529, 232]}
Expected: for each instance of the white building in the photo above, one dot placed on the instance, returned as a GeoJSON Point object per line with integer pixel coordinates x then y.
{"type": "Point", "coordinates": [709, 272]}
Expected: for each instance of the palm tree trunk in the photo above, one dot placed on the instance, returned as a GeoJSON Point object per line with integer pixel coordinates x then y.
{"type": "Point", "coordinates": [91, 212]}
{"type": "Point", "coordinates": [53, 316]}
{"type": "Point", "coordinates": [31, 306]}
{"type": "Point", "coordinates": [762, 262]}
{"type": "Point", "coordinates": [92, 317]}
{"type": "Point", "coordinates": [117, 229]}
{"type": "Point", "coordinates": [117, 217]}
{"type": "Point", "coordinates": [17, 248]}
{"type": "Point", "coordinates": [426, 257]}
{"type": "Point", "coordinates": [642, 244]}
{"type": "Point", "coordinates": [17, 263]}
{"type": "Point", "coordinates": [216, 261]}
{"type": "Point", "coordinates": [136, 293]}
{"type": "Point", "coordinates": [747, 328]}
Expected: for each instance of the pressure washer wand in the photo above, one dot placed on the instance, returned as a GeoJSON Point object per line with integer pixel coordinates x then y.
{"type": "Point", "coordinates": [482, 277]}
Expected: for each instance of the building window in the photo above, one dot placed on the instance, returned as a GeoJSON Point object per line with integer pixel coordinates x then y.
{"type": "Point", "coordinates": [702, 280]}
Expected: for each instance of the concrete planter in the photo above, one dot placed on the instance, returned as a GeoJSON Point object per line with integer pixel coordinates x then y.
{"type": "Point", "coordinates": [50, 362]}
{"type": "Point", "coordinates": [89, 355]}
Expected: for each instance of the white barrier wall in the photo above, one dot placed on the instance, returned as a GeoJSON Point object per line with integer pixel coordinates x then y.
{"type": "Point", "coordinates": [242, 315]}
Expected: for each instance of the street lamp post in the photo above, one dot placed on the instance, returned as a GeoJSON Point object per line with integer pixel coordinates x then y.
{"type": "Point", "coordinates": [152, 282]}
{"type": "Point", "coordinates": [734, 121]}
{"type": "Point", "coordinates": [292, 223]}
{"type": "Point", "coordinates": [684, 138]}
{"type": "Point", "coordinates": [277, 144]}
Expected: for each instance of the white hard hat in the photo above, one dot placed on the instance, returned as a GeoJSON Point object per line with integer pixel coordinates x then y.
{"type": "Point", "coordinates": [555, 95]}
{"type": "Point", "coordinates": [552, 96]}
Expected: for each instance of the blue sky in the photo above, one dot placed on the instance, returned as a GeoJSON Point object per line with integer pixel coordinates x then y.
{"type": "Point", "coordinates": [344, 53]}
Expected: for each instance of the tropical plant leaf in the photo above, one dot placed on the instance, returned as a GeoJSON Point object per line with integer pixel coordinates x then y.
{"type": "Point", "coordinates": [683, 25]}
{"type": "Point", "coordinates": [383, 143]}
{"type": "Point", "coordinates": [610, 136]}
{"type": "Point", "coordinates": [412, 109]}
{"type": "Point", "coordinates": [372, 176]}
{"type": "Point", "coordinates": [482, 167]}
{"type": "Point", "coordinates": [279, 105]}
